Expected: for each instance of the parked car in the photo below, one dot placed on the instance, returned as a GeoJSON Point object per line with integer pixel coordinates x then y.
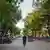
{"type": "Point", "coordinates": [7, 40]}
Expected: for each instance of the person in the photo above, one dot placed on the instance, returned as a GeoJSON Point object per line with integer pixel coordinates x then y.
{"type": "Point", "coordinates": [24, 40]}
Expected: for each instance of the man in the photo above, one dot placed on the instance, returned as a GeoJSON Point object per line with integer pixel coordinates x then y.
{"type": "Point", "coordinates": [24, 40]}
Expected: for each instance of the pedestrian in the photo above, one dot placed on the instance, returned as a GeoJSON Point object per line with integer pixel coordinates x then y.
{"type": "Point", "coordinates": [24, 40]}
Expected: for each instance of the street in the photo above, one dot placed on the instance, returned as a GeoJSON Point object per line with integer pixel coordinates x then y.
{"type": "Point", "coordinates": [17, 45]}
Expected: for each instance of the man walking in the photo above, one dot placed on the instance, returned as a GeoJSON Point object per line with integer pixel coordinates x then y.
{"type": "Point", "coordinates": [24, 40]}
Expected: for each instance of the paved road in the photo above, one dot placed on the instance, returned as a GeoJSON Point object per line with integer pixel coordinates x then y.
{"type": "Point", "coordinates": [17, 45]}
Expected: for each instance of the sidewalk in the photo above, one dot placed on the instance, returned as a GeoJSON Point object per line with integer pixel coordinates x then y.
{"type": "Point", "coordinates": [31, 39]}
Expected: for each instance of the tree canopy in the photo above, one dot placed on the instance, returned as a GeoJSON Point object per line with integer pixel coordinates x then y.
{"type": "Point", "coordinates": [9, 14]}
{"type": "Point", "coordinates": [37, 19]}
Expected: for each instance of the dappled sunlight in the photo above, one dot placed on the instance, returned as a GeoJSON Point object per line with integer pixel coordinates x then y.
{"type": "Point", "coordinates": [20, 24]}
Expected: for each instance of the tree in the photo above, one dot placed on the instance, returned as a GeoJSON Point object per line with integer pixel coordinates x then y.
{"type": "Point", "coordinates": [9, 14]}
{"type": "Point", "coordinates": [34, 21]}
{"type": "Point", "coordinates": [25, 31]}
{"type": "Point", "coordinates": [46, 7]}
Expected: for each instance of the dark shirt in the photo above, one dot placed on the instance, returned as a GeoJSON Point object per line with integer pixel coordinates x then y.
{"type": "Point", "coordinates": [24, 38]}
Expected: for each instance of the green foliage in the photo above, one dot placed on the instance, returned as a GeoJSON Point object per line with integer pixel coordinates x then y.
{"type": "Point", "coordinates": [25, 31]}
{"type": "Point", "coordinates": [34, 20]}
{"type": "Point", "coordinates": [45, 9]}
{"type": "Point", "coordinates": [46, 6]}
{"type": "Point", "coordinates": [9, 14]}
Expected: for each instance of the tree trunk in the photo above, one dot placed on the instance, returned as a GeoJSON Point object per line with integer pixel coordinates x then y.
{"type": "Point", "coordinates": [35, 33]}
{"type": "Point", "coordinates": [32, 31]}
{"type": "Point", "coordinates": [49, 25]}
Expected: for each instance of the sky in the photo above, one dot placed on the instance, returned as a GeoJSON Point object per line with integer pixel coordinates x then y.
{"type": "Point", "coordinates": [26, 7]}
